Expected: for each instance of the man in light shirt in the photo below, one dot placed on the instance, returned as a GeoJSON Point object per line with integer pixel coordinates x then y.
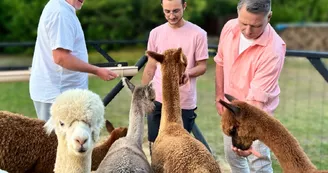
{"type": "Point", "coordinates": [175, 33]}
{"type": "Point", "coordinates": [249, 60]}
{"type": "Point", "coordinates": [60, 60]}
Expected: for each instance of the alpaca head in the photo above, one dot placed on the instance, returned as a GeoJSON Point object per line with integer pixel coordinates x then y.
{"type": "Point", "coordinates": [239, 121]}
{"type": "Point", "coordinates": [116, 132]}
{"type": "Point", "coordinates": [172, 60]}
{"type": "Point", "coordinates": [142, 95]}
{"type": "Point", "coordinates": [77, 117]}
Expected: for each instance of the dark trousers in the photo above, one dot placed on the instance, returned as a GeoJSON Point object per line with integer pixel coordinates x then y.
{"type": "Point", "coordinates": [188, 118]}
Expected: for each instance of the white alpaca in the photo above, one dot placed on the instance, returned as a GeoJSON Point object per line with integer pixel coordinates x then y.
{"type": "Point", "coordinates": [77, 117]}
{"type": "Point", "coordinates": [2, 171]}
{"type": "Point", "coordinates": [126, 154]}
{"type": "Point", "coordinates": [25, 146]}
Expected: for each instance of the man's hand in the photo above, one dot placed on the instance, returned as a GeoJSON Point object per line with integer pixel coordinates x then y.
{"type": "Point", "coordinates": [184, 78]}
{"type": "Point", "coordinates": [246, 153]}
{"type": "Point", "coordinates": [219, 107]}
{"type": "Point", "coordinates": [106, 74]}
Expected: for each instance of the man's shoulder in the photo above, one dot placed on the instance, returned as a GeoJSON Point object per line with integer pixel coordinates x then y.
{"type": "Point", "coordinates": [158, 28]}
{"type": "Point", "coordinates": [230, 24]}
{"type": "Point", "coordinates": [276, 36]}
{"type": "Point", "coordinates": [196, 27]}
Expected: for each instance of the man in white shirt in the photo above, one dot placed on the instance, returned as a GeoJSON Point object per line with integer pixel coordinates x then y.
{"type": "Point", "coordinates": [60, 60]}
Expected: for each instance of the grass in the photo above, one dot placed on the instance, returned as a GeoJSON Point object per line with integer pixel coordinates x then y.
{"type": "Point", "coordinates": [303, 107]}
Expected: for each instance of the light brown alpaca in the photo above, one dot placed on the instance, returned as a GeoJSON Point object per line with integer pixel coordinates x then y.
{"type": "Point", "coordinates": [246, 123]}
{"type": "Point", "coordinates": [175, 150]}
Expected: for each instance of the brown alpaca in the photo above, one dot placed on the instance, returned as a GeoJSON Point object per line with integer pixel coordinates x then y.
{"type": "Point", "coordinates": [175, 150]}
{"type": "Point", "coordinates": [100, 151]}
{"type": "Point", "coordinates": [25, 147]}
{"type": "Point", "coordinates": [246, 123]}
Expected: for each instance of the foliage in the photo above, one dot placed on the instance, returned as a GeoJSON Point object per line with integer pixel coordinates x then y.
{"type": "Point", "coordinates": [299, 11]}
{"type": "Point", "coordinates": [133, 19]}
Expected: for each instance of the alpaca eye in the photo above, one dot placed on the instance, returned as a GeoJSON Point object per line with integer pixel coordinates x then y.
{"type": "Point", "coordinates": [61, 123]}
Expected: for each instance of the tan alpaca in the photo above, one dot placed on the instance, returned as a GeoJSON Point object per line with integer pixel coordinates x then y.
{"type": "Point", "coordinates": [175, 150]}
{"type": "Point", "coordinates": [246, 123]}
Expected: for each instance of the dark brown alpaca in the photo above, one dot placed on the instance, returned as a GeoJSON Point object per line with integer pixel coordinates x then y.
{"type": "Point", "coordinates": [25, 147]}
{"type": "Point", "coordinates": [175, 150]}
{"type": "Point", "coordinates": [246, 123]}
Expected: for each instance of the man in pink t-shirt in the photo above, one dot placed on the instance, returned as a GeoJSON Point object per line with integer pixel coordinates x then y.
{"type": "Point", "coordinates": [249, 60]}
{"type": "Point", "coordinates": [175, 33]}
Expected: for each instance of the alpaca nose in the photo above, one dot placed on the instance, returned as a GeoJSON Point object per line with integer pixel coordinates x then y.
{"type": "Point", "coordinates": [81, 141]}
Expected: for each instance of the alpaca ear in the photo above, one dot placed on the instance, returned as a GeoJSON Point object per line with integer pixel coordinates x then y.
{"type": "Point", "coordinates": [49, 126]}
{"type": "Point", "coordinates": [158, 57]}
{"type": "Point", "coordinates": [126, 82]}
{"type": "Point", "coordinates": [109, 126]}
{"type": "Point", "coordinates": [150, 84]}
{"type": "Point", "coordinates": [180, 54]}
{"type": "Point", "coordinates": [234, 109]}
{"type": "Point", "coordinates": [230, 97]}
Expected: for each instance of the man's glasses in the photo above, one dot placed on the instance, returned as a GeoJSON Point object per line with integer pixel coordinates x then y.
{"type": "Point", "coordinates": [174, 12]}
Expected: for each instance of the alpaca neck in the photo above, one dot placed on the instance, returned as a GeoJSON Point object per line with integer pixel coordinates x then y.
{"type": "Point", "coordinates": [66, 161]}
{"type": "Point", "coordinates": [136, 121]}
{"type": "Point", "coordinates": [171, 110]}
{"type": "Point", "coordinates": [285, 147]}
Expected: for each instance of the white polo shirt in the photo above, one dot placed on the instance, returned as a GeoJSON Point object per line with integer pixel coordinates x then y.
{"type": "Point", "coordinates": [58, 27]}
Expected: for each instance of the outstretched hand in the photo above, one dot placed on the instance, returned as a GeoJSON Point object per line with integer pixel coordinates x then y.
{"type": "Point", "coordinates": [106, 74]}
{"type": "Point", "coordinates": [245, 153]}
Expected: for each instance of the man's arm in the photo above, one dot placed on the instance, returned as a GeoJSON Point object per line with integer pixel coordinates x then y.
{"type": "Point", "coordinates": [199, 69]}
{"type": "Point", "coordinates": [65, 59]}
{"type": "Point", "coordinates": [219, 78]}
{"type": "Point", "coordinates": [255, 103]}
{"type": "Point", "coordinates": [149, 71]}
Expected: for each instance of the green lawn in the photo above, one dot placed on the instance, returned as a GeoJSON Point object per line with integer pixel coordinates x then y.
{"type": "Point", "coordinates": [303, 108]}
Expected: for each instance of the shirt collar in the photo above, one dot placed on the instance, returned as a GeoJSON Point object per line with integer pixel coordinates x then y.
{"type": "Point", "coordinates": [69, 6]}
{"type": "Point", "coordinates": [262, 40]}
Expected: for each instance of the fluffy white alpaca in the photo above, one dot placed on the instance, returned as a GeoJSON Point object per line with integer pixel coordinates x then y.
{"type": "Point", "coordinates": [2, 171]}
{"type": "Point", "coordinates": [77, 117]}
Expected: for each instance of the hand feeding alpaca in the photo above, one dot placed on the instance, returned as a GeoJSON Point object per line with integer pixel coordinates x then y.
{"type": "Point", "coordinates": [77, 117]}
{"type": "Point", "coordinates": [126, 154]}
{"type": "Point", "coordinates": [25, 147]}
{"type": "Point", "coordinates": [175, 150]}
{"type": "Point", "coordinates": [246, 123]}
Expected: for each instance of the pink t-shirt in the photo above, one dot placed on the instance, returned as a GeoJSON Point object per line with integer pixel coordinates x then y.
{"type": "Point", "coordinates": [193, 41]}
{"type": "Point", "coordinates": [253, 74]}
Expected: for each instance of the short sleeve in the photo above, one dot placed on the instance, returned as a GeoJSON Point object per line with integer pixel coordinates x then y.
{"type": "Point", "coordinates": [151, 41]}
{"type": "Point", "coordinates": [201, 47]}
{"type": "Point", "coordinates": [219, 55]}
{"type": "Point", "coordinates": [61, 32]}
